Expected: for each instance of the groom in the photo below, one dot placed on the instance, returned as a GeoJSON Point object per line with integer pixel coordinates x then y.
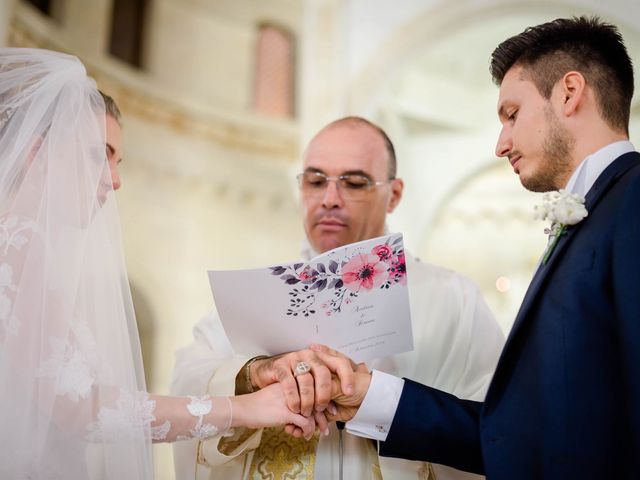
{"type": "Point", "coordinates": [564, 402]}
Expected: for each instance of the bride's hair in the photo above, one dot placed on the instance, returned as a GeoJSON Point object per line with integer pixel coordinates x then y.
{"type": "Point", "coordinates": [111, 107]}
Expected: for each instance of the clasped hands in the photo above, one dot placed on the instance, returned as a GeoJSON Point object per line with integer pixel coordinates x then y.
{"type": "Point", "coordinates": [331, 390]}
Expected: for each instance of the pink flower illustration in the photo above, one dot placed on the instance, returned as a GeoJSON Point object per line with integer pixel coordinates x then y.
{"type": "Point", "coordinates": [382, 251]}
{"type": "Point", "coordinates": [306, 275]}
{"type": "Point", "coordinates": [364, 272]}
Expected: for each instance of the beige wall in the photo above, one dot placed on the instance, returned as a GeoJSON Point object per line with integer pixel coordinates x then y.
{"type": "Point", "coordinates": [6, 8]}
{"type": "Point", "coordinates": [214, 63]}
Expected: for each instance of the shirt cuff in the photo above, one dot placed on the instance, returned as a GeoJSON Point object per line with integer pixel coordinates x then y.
{"type": "Point", "coordinates": [374, 417]}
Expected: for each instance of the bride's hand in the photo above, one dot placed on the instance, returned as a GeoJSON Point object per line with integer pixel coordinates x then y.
{"type": "Point", "coordinates": [268, 408]}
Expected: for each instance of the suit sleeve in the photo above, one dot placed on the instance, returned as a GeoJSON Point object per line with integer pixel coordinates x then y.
{"type": "Point", "coordinates": [434, 426]}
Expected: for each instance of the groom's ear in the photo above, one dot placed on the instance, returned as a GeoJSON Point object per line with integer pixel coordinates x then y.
{"type": "Point", "coordinates": [573, 90]}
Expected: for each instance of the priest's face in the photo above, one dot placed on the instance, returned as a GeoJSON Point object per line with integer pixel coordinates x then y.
{"type": "Point", "coordinates": [342, 211]}
{"type": "Point", "coordinates": [533, 138]}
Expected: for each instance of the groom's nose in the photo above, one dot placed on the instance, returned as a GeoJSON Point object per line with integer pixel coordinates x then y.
{"type": "Point", "coordinates": [504, 145]}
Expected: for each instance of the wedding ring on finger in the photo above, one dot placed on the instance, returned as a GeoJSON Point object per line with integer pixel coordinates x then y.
{"type": "Point", "coordinates": [301, 369]}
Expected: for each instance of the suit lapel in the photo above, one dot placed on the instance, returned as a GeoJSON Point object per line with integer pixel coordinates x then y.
{"type": "Point", "coordinates": [606, 179]}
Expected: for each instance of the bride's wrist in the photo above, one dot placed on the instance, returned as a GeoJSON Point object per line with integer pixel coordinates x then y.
{"type": "Point", "coordinates": [238, 411]}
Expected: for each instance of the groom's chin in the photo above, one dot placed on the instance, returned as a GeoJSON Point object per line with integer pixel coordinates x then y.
{"type": "Point", "coordinates": [534, 184]}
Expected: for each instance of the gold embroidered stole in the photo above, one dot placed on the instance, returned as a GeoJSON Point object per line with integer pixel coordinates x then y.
{"type": "Point", "coordinates": [283, 457]}
{"type": "Point", "coordinates": [427, 473]}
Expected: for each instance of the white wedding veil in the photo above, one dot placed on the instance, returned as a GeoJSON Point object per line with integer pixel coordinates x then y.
{"type": "Point", "coordinates": [72, 402]}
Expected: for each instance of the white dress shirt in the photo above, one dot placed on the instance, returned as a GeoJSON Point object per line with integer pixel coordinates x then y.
{"type": "Point", "coordinates": [374, 417]}
{"type": "Point", "coordinates": [591, 167]}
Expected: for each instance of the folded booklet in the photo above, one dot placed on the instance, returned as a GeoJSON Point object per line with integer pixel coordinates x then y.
{"type": "Point", "coordinates": [353, 299]}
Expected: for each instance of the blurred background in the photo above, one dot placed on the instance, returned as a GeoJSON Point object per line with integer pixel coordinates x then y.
{"type": "Point", "coordinates": [220, 97]}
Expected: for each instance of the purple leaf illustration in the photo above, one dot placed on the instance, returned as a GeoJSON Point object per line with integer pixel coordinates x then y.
{"type": "Point", "coordinates": [290, 279]}
{"type": "Point", "coordinates": [277, 270]}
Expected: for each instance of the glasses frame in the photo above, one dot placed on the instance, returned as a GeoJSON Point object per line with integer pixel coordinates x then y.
{"type": "Point", "coordinates": [342, 188]}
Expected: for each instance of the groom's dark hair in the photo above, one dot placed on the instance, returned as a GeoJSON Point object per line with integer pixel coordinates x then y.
{"type": "Point", "coordinates": [587, 45]}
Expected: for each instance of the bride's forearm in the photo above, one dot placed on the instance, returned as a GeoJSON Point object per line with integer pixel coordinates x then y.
{"type": "Point", "coordinates": [183, 418]}
{"type": "Point", "coordinates": [245, 411]}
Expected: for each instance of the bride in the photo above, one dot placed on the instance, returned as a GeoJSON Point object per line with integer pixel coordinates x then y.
{"type": "Point", "coordinates": [73, 403]}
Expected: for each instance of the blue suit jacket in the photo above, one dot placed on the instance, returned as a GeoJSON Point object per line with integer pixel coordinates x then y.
{"type": "Point", "coordinates": [564, 402]}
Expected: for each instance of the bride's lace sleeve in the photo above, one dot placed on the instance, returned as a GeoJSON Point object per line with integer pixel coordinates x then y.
{"type": "Point", "coordinates": [167, 419]}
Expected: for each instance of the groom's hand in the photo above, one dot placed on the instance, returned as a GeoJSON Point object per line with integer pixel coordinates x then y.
{"type": "Point", "coordinates": [344, 405]}
{"type": "Point", "coordinates": [309, 392]}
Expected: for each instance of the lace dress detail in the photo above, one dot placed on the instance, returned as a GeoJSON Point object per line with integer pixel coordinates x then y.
{"type": "Point", "coordinates": [69, 369]}
{"type": "Point", "coordinates": [132, 415]}
{"type": "Point", "coordinates": [159, 433]}
{"type": "Point", "coordinates": [199, 407]}
{"type": "Point", "coordinates": [13, 235]}
{"type": "Point", "coordinates": [5, 115]}
{"type": "Point", "coordinates": [7, 319]}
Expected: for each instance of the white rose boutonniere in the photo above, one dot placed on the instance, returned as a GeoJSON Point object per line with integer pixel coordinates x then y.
{"type": "Point", "coordinates": [562, 209]}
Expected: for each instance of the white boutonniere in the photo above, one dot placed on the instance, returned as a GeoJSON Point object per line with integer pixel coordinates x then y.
{"type": "Point", "coordinates": [562, 209]}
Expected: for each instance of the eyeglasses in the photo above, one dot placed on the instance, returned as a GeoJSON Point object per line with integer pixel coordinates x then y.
{"type": "Point", "coordinates": [352, 186]}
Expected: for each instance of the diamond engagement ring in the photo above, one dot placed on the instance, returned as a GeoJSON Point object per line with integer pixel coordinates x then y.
{"type": "Point", "coordinates": [302, 368]}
